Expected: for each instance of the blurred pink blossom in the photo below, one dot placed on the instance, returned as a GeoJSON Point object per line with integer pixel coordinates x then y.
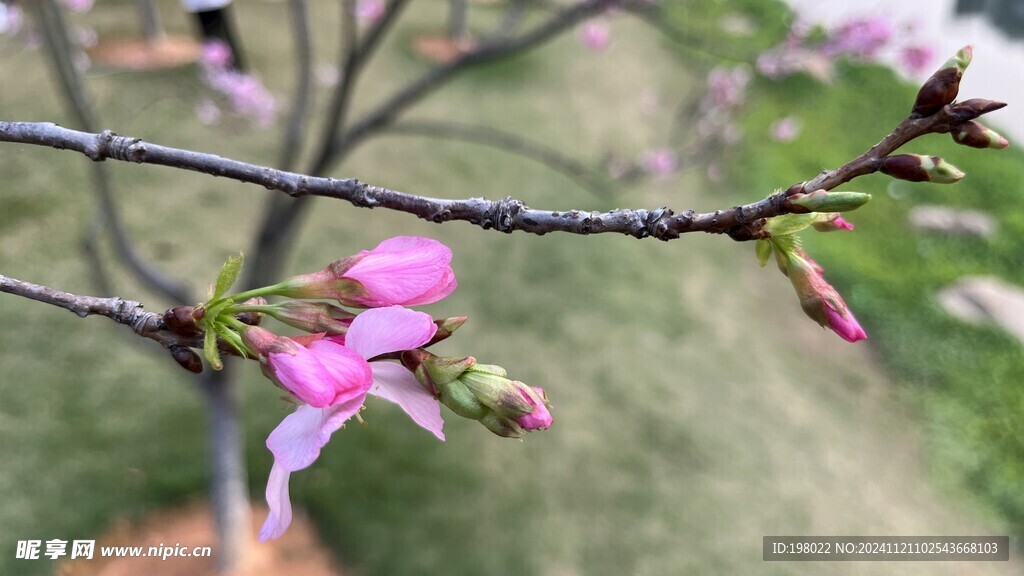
{"type": "Point", "coordinates": [10, 18]}
{"type": "Point", "coordinates": [916, 58]}
{"type": "Point", "coordinates": [785, 129]}
{"type": "Point", "coordinates": [661, 162]}
{"type": "Point", "coordinates": [216, 54]}
{"type": "Point", "coordinates": [369, 11]}
{"type": "Point", "coordinates": [596, 35]}
{"type": "Point", "coordinates": [727, 86]}
{"type": "Point", "coordinates": [79, 5]}
{"type": "Point", "coordinates": [207, 112]}
{"type": "Point", "coordinates": [862, 37]}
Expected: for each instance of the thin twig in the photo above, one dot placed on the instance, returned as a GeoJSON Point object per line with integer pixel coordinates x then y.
{"type": "Point", "coordinates": [295, 127]}
{"type": "Point", "coordinates": [583, 174]}
{"type": "Point", "coordinates": [127, 312]}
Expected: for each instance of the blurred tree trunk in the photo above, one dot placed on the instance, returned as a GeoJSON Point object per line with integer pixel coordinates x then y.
{"type": "Point", "coordinates": [149, 21]}
{"type": "Point", "coordinates": [228, 481]}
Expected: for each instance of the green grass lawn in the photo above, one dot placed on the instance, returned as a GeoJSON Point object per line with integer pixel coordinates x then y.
{"type": "Point", "coordinates": [696, 409]}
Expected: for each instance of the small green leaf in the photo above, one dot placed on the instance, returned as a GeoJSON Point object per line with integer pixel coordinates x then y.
{"type": "Point", "coordinates": [210, 349]}
{"type": "Point", "coordinates": [764, 251]}
{"type": "Point", "coordinates": [228, 274]}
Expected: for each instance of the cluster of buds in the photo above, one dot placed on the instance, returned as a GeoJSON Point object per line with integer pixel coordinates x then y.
{"type": "Point", "coordinates": [481, 392]}
{"type": "Point", "coordinates": [347, 355]}
{"type": "Point", "coordinates": [820, 209]}
{"type": "Point", "coordinates": [244, 93]}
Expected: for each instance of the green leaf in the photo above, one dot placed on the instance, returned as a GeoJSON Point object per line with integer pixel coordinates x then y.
{"type": "Point", "coordinates": [228, 274]}
{"type": "Point", "coordinates": [210, 349]}
{"type": "Point", "coordinates": [764, 251]}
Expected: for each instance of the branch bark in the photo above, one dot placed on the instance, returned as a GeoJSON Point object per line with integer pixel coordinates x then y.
{"type": "Point", "coordinates": [743, 222]}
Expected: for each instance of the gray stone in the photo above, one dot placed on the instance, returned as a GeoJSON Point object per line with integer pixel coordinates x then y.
{"type": "Point", "coordinates": [979, 299]}
{"type": "Point", "coordinates": [949, 220]}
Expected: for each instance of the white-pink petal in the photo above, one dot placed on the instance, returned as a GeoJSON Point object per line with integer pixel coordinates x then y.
{"type": "Point", "coordinates": [394, 383]}
{"type": "Point", "coordinates": [392, 329]}
{"type": "Point", "coordinates": [297, 440]}
{"type": "Point", "coordinates": [280, 516]}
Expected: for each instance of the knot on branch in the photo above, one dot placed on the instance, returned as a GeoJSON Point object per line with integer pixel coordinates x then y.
{"type": "Point", "coordinates": [659, 224]}
{"type": "Point", "coordinates": [501, 214]}
{"type": "Point", "coordinates": [110, 145]}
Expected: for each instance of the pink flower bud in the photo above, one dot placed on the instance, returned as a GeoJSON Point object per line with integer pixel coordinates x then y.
{"type": "Point", "coordinates": [830, 222]}
{"type": "Point", "coordinates": [540, 418]}
{"type": "Point", "coordinates": [405, 270]}
{"type": "Point", "coordinates": [820, 301]}
{"type": "Point", "coordinates": [369, 11]}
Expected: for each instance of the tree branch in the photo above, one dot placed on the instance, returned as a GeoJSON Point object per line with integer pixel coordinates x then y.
{"type": "Point", "coordinates": [506, 215]}
{"type": "Point", "coordinates": [126, 312]}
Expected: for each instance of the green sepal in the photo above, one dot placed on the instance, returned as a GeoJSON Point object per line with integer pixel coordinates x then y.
{"type": "Point", "coordinates": [228, 274]}
{"type": "Point", "coordinates": [764, 251]}
{"type": "Point", "coordinates": [210, 348]}
{"type": "Point", "coordinates": [232, 338]}
{"type": "Point", "coordinates": [789, 223]}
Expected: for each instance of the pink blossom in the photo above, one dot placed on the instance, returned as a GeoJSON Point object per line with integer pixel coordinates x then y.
{"type": "Point", "coordinates": [661, 162]}
{"type": "Point", "coordinates": [10, 18]}
{"type": "Point", "coordinates": [596, 35]}
{"type": "Point", "coordinates": [727, 86]}
{"type": "Point", "coordinates": [862, 37]}
{"type": "Point", "coordinates": [785, 129]}
{"type": "Point", "coordinates": [297, 441]}
{"type": "Point", "coordinates": [320, 374]}
{"type": "Point", "coordinates": [405, 270]}
{"type": "Point", "coordinates": [216, 54]}
{"type": "Point", "coordinates": [540, 418]}
{"type": "Point", "coordinates": [369, 11]}
{"type": "Point", "coordinates": [79, 5]}
{"type": "Point", "coordinates": [916, 59]}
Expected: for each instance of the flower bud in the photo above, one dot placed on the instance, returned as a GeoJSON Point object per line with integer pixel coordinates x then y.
{"type": "Point", "coordinates": [252, 318]}
{"type": "Point", "coordinates": [975, 135]}
{"type": "Point", "coordinates": [405, 270]}
{"type": "Point", "coordinates": [482, 392]}
{"type": "Point", "coordinates": [313, 317]}
{"type": "Point", "coordinates": [918, 168]}
{"type": "Point", "coordinates": [445, 328]}
{"type": "Point", "coordinates": [830, 222]}
{"type": "Point", "coordinates": [181, 320]}
{"type": "Point", "coordinates": [971, 109]}
{"type": "Point", "coordinates": [943, 86]}
{"type": "Point", "coordinates": [820, 301]}
{"type": "Point", "coordinates": [186, 358]}
{"type": "Point", "coordinates": [823, 201]}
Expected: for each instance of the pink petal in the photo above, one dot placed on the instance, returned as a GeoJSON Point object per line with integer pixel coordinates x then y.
{"type": "Point", "coordinates": [280, 516]}
{"type": "Point", "coordinates": [394, 383]}
{"type": "Point", "coordinates": [297, 440]}
{"type": "Point", "coordinates": [847, 328]}
{"type": "Point", "coordinates": [352, 375]}
{"type": "Point", "coordinates": [445, 286]}
{"type": "Point", "coordinates": [392, 329]}
{"type": "Point", "coordinates": [403, 269]}
{"type": "Point", "coordinates": [303, 375]}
